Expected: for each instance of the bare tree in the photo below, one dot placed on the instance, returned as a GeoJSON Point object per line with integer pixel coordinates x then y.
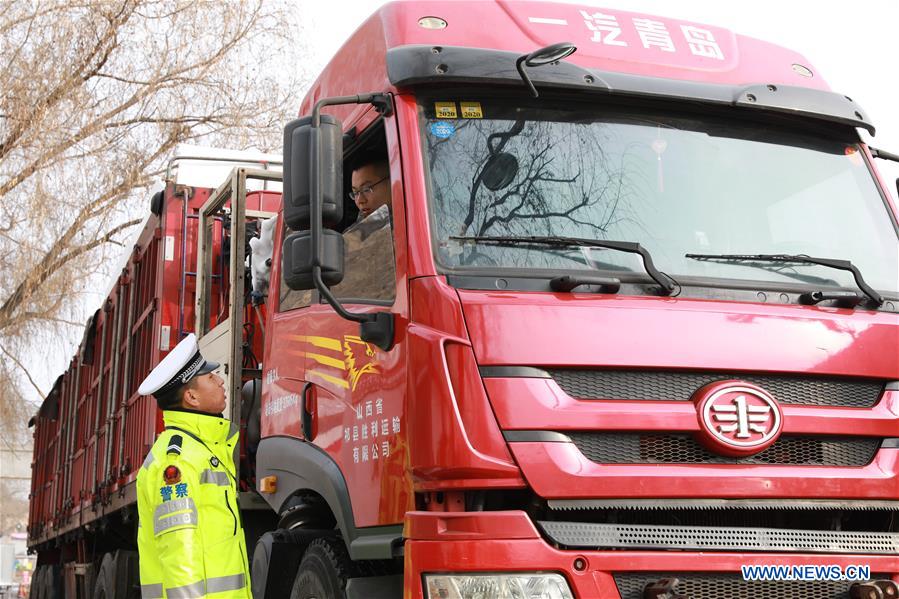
{"type": "Point", "coordinates": [592, 187]}
{"type": "Point", "coordinates": [557, 179]}
{"type": "Point", "coordinates": [96, 95]}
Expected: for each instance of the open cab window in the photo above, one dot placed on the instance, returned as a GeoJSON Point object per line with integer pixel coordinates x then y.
{"type": "Point", "coordinates": [367, 227]}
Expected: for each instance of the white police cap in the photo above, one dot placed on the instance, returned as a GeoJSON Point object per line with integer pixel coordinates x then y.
{"type": "Point", "coordinates": [177, 368]}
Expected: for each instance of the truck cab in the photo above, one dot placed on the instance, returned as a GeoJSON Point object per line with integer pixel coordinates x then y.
{"type": "Point", "coordinates": [627, 326]}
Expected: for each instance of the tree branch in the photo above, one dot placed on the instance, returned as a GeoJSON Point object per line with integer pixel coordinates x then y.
{"type": "Point", "coordinates": [22, 367]}
{"type": "Point", "coordinates": [91, 64]}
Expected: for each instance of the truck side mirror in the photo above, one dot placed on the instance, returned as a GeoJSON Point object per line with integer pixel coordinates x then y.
{"type": "Point", "coordinates": [298, 176]}
{"type": "Point", "coordinates": [312, 256]}
{"type": "Point", "coordinates": [296, 259]}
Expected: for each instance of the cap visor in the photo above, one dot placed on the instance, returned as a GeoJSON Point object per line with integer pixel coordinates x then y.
{"type": "Point", "coordinates": [207, 368]}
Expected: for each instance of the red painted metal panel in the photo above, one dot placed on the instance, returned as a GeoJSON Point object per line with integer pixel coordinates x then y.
{"type": "Point", "coordinates": [33, 512]}
{"type": "Point", "coordinates": [78, 477]}
{"type": "Point", "coordinates": [550, 329]}
{"type": "Point", "coordinates": [139, 412]}
{"type": "Point", "coordinates": [560, 470]}
{"type": "Point", "coordinates": [51, 473]}
{"type": "Point", "coordinates": [467, 526]}
{"type": "Point", "coordinates": [446, 456]}
{"type": "Point", "coordinates": [360, 409]}
{"type": "Point", "coordinates": [418, 230]}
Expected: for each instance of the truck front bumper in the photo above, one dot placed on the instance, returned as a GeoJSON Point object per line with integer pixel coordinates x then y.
{"type": "Point", "coordinates": [501, 542]}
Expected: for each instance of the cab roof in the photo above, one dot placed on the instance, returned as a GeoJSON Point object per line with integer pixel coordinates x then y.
{"type": "Point", "coordinates": [621, 52]}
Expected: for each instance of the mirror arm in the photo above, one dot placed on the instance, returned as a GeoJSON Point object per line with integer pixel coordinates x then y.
{"type": "Point", "coordinates": [382, 104]}
{"type": "Point", "coordinates": [524, 75]}
{"type": "Point", "coordinates": [377, 327]}
{"type": "Point", "coordinates": [335, 303]}
{"type": "Point", "coordinates": [550, 54]}
{"type": "Point", "coordinates": [375, 98]}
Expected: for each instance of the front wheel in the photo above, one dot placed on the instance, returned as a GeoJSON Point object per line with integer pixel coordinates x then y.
{"type": "Point", "coordinates": [323, 571]}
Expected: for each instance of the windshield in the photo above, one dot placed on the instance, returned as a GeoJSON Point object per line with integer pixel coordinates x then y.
{"type": "Point", "coordinates": [676, 185]}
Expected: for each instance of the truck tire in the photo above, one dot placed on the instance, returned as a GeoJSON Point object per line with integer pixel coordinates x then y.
{"type": "Point", "coordinates": [323, 571]}
{"type": "Point", "coordinates": [44, 583]}
{"type": "Point", "coordinates": [36, 591]}
{"type": "Point", "coordinates": [117, 577]}
{"type": "Point", "coordinates": [104, 587]}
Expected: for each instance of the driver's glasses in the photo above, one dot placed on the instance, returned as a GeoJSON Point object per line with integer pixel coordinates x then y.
{"type": "Point", "coordinates": [367, 190]}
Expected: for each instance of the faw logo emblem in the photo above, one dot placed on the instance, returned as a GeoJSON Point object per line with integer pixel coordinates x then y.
{"type": "Point", "coordinates": [741, 419]}
{"type": "Point", "coordinates": [737, 418]}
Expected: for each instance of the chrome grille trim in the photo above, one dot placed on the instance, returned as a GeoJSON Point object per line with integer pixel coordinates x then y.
{"type": "Point", "coordinates": [717, 538]}
{"type": "Point", "coordinates": [722, 504]}
{"type": "Point", "coordinates": [658, 385]}
{"type": "Point", "coordinates": [682, 448]}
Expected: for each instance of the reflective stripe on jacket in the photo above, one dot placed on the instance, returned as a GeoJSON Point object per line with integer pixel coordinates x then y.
{"type": "Point", "coordinates": [190, 538]}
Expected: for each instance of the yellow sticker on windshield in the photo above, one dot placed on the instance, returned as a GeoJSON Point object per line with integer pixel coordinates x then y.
{"type": "Point", "coordinates": [471, 110]}
{"type": "Point", "coordinates": [445, 110]}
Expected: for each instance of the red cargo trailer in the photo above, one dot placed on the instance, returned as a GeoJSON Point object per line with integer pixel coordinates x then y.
{"type": "Point", "coordinates": [93, 430]}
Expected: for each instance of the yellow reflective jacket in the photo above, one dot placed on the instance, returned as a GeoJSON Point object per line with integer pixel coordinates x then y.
{"type": "Point", "coordinates": [190, 538]}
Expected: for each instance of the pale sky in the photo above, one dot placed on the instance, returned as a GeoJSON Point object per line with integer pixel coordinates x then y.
{"type": "Point", "coordinates": [851, 45]}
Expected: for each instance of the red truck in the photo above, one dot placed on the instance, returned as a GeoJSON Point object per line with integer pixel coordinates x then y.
{"type": "Point", "coordinates": [628, 328]}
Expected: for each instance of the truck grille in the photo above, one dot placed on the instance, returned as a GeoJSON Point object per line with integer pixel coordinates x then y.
{"type": "Point", "coordinates": [644, 448]}
{"type": "Point", "coordinates": [718, 538]}
{"type": "Point", "coordinates": [680, 386]}
{"type": "Point", "coordinates": [732, 586]}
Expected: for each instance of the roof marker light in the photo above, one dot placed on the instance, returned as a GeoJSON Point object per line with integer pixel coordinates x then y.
{"type": "Point", "coordinates": [431, 23]}
{"type": "Point", "coordinates": [803, 70]}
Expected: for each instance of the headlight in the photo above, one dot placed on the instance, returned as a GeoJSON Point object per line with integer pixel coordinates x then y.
{"type": "Point", "coordinates": [497, 586]}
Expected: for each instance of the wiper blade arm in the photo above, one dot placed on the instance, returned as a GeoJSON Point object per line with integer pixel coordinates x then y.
{"type": "Point", "coordinates": [798, 259]}
{"type": "Point", "coordinates": [849, 299]}
{"type": "Point", "coordinates": [782, 269]}
{"type": "Point", "coordinates": [667, 284]}
{"type": "Point", "coordinates": [877, 153]}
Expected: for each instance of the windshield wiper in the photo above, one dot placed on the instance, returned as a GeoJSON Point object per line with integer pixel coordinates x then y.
{"type": "Point", "coordinates": [667, 283]}
{"type": "Point", "coordinates": [876, 298]}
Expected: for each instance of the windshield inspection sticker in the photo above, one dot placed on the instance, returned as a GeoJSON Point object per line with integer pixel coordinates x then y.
{"type": "Point", "coordinates": [443, 130]}
{"type": "Point", "coordinates": [471, 110]}
{"type": "Point", "coordinates": [445, 110]}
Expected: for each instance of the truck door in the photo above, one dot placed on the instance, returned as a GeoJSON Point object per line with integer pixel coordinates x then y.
{"type": "Point", "coordinates": [353, 391]}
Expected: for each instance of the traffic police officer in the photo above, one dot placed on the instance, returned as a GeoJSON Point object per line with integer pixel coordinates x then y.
{"type": "Point", "coordinates": [190, 539]}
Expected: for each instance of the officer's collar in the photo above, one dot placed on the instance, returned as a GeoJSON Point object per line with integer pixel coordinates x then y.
{"type": "Point", "coordinates": [208, 427]}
